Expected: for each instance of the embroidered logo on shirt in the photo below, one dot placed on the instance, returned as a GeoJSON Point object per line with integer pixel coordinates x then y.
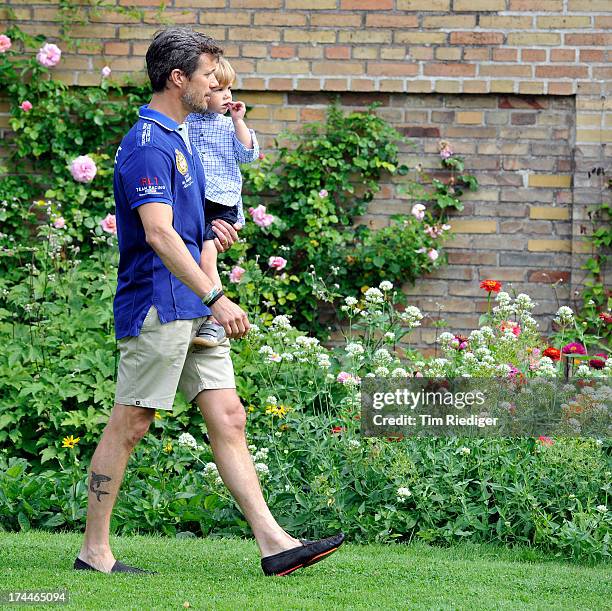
{"type": "Point", "coordinates": [181, 162]}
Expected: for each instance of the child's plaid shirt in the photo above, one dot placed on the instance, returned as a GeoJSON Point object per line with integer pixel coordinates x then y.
{"type": "Point", "coordinates": [221, 153]}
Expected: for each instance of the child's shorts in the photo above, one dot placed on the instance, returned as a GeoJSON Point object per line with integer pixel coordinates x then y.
{"type": "Point", "coordinates": [212, 211]}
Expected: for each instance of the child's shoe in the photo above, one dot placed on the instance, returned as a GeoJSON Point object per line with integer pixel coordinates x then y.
{"type": "Point", "coordinates": [209, 335]}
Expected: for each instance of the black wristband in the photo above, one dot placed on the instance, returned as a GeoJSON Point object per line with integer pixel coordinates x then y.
{"type": "Point", "coordinates": [217, 296]}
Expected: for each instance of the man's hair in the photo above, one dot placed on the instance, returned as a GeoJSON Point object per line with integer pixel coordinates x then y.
{"type": "Point", "coordinates": [224, 73]}
{"type": "Point", "coordinates": [177, 48]}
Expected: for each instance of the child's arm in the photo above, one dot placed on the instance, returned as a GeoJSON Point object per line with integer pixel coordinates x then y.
{"type": "Point", "coordinates": [246, 147]}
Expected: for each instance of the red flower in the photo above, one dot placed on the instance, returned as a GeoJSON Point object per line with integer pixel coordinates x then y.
{"type": "Point", "coordinates": [397, 437]}
{"type": "Point", "coordinates": [336, 430]}
{"type": "Point", "coordinates": [545, 441]}
{"type": "Point", "coordinates": [552, 353]}
{"type": "Point", "coordinates": [598, 363]}
{"type": "Point", "coordinates": [606, 317]}
{"type": "Point", "coordinates": [491, 286]}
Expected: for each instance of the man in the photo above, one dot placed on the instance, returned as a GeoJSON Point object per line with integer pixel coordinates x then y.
{"type": "Point", "coordinates": [163, 296]}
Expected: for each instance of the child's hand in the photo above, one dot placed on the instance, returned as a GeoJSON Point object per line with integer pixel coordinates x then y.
{"type": "Point", "coordinates": [237, 110]}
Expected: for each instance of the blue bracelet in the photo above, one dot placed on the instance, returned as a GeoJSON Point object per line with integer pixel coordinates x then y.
{"type": "Point", "coordinates": [211, 295]}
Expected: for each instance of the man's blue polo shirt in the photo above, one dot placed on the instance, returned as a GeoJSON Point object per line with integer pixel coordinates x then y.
{"type": "Point", "coordinates": [155, 163]}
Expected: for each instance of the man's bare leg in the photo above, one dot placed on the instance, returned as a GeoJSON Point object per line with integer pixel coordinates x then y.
{"type": "Point", "coordinates": [126, 426]}
{"type": "Point", "coordinates": [225, 419]}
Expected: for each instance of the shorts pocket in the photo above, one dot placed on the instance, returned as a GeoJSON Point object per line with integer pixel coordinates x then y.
{"type": "Point", "coordinates": [150, 318]}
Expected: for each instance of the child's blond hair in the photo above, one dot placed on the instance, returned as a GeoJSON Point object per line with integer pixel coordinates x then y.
{"type": "Point", "coordinates": [224, 73]}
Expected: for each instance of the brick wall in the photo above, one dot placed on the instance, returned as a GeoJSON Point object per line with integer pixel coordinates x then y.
{"type": "Point", "coordinates": [523, 95]}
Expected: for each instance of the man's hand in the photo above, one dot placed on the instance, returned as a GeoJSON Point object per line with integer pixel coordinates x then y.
{"type": "Point", "coordinates": [226, 234]}
{"type": "Point", "coordinates": [237, 110]}
{"type": "Point", "coordinates": [231, 316]}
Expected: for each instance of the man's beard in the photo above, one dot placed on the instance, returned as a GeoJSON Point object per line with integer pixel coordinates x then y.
{"type": "Point", "coordinates": [194, 104]}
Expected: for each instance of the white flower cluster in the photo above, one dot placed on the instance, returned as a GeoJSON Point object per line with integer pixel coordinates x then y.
{"type": "Point", "coordinates": [383, 356]}
{"type": "Point", "coordinates": [385, 285]}
{"type": "Point", "coordinates": [412, 316]}
{"type": "Point", "coordinates": [403, 494]}
{"type": "Point", "coordinates": [546, 368]}
{"type": "Point", "coordinates": [188, 440]}
{"type": "Point", "coordinates": [354, 349]}
{"type": "Point", "coordinates": [281, 321]}
{"type": "Point", "coordinates": [564, 316]}
{"type": "Point", "coordinates": [374, 295]}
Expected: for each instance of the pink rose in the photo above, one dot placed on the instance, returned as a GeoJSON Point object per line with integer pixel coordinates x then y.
{"type": "Point", "coordinates": [5, 43]}
{"type": "Point", "coordinates": [83, 169]}
{"type": "Point", "coordinates": [49, 55]}
{"type": "Point", "coordinates": [59, 222]}
{"type": "Point", "coordinates": [26, 106]}
{"type": "Point", "coordinates": [418, 211]}
{"type": "Point", "coordinates": [433, 254]}
{"type": "Point", "coordinates": [236, 273]}
{"type": "Point", "coordinates": [323, 193]}
{"type": "Point", "coordinates": [446, 152]}
{"type": "Point", "coordinates": [109, 224]}
{"type": "Point", "coordinates": [343, 377]}
{"type": "Point", "coordinates": [262, 155]}
{"type": "Point", "coordinates": [277, 263]}
{"type": "Point", "coordinates": [260, 217]}
{"type": "Point", "coordinates": [106, 71]}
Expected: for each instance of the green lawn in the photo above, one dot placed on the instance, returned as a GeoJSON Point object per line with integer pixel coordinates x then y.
{"type": "Point", "coordinates": [225, 574]}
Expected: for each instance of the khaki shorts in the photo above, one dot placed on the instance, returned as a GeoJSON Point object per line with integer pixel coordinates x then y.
{"type": "Point", "coordinates": [154, 364]}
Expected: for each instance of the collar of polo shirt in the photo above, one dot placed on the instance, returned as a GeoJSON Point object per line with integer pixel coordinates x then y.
{"type": "Point", "coordinates": [157, 117]}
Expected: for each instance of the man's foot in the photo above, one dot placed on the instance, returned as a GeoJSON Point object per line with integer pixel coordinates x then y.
{"type": "Point", "coordinates": [118, 567]}
{"type": "Point", "coordinates": [209, 335]}
{"type": "Point", "coordinates": [307, 554]}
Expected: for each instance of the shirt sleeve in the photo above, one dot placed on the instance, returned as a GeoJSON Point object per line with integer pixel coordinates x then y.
{"type": "Point", "coordinates": [147, 177]}
{"type": "Point", "coordinates": [244, 154]}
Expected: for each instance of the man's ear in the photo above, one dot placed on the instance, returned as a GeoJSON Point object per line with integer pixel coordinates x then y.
{"type": "Point", "coordinates": [177, 77]}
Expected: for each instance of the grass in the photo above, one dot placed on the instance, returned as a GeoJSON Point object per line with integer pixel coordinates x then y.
{"type": "Point", "coordinates": [225, 574]}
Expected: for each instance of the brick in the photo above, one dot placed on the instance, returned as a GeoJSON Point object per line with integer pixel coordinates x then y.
{"type": "Point", "coordinates": [437, 69]}
{"type": "Point", "coordinates": [335, 20]}
{"type": "Point", "coordinates": [472, 226]}
{"type": "Point", "coordinates": [588, 135]}
{"type": "Point", "coordinates": [225, 18]}
{"type": "Point", "coordinates": [502, 86]}
{"type": "Point", "coordinates": [592, 55]}
{"type": "Point", "coordinates": [361, 52]}
{"type": "Point", "coordinates": [507, 71]}
{"type": "Point", "coordinates": [392, 69]}
{"type": "Point", "coordinates": [279, 18]}
{"type": "Point", "coordinates": [366, 5]}
{"type": "Point", "coordinates": [479, 5]}
{"type": "Point", "coordinates": [376, 20]}
{"type": "Point", "coordinates": [497, 22]}
{"type": "Point", "coordinates": [309, 84]}
{"type": "Point", "coordinates": [338, 52]}
{"type": "Point", "coordinates": [391, 85]}
{"type": "Point", "coordinates": [550, 181]}
{"type": "Point", "coordinates": [363, 85]}
{"type": "Point", "coordinates": [366, 37]}
{"type": "Point", "coordinates": [420, 38]}
{"type": "Point", "coordinates": [528, 103]}
{"type": "Point", "coordinates": [140, 32]}
{"type": "Point", "coordinates": [336, 84]}
{"type": "Point", "coordinates": [475, 87]}
{"type": "Point", "coordinates": [470, 117]}
{"type": "Point", "coordinates": [588, 40]}
{"type": "Point", "coordinates": [549, 245]}
{"type": "Point", "coordinates": [548, 276]}
{"type": "Point", "coordinates": [116, 48]}
{"type": "Point", "coordinates": [589, 6]}
{"type": "Point", "coordinates": [253, 34]}
{"type": "Point", "coordinates": [525, 39]}
{"type": "Point", "coordinates": [505, 55]}
{"type": "Point", "coordinates": [563, 22]}
{"type": "Point", "coordinates": [170, 17]}
{"type": "Point", "coordinates": [448, 53]}
{"type": "Point", "coordinates": [472, 258]}
{"type": "Point", "coordinates": [396, 53]}
{"type": "Point", "coordinates": [265, 4]}
{"type": "Point", "coordinates": [311, 5]}
{"type": "Point", "coordinates": [523, 119]}
{"type": "Point", "coordinates": [479, 54]}
{"type": "Point", "coordinates": [424, 5]}
{"type": "Point", "coordinates": [476, 38]}
{"type": "Point", "coordinates": [452, 22]}
{"type": "Point", "coordinates": [507, 273]}
{"type": "Point", "coordinates": [551, 6]}
{"type": "Point", "coordinates": [282, 52]}
{"type": "Point", "coordinates": [575, 72]}
{"type": "Point", "coordinates": [282, 67]}
{"type": "Point", "coordinates": [254, 51]}
{"type": "Point", "coordinates": [563, 55]}
{"type": "Point", "coordinates": [339, 67]}
{"type": "Point", "coordinates": [310, 52]}
{"type": "Point", "coordinates": [322, 36]}
{"type": "Point", "coordinates": [93, 31]}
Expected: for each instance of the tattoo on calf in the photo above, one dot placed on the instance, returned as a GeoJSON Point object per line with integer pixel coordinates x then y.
{"type": "Point", "coordinates": [96, 480]}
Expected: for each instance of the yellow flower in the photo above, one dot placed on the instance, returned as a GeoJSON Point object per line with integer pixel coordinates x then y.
{"type": "Point", "coordinates": [283, 427]}
{"type": "Point", "coordinates": [277, 410]}
{"type": "Point", "coordinates": [70, 442]}
{"type": "Point", "coordinates": [168, 448]}
{"type": "Point", "coordinates": [158, 416]}
{"type": "Point", "coordinates": [251, 408]}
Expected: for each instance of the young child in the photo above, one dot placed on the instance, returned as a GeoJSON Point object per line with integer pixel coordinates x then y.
{"type": "Point", "coordinates": [223, 142]}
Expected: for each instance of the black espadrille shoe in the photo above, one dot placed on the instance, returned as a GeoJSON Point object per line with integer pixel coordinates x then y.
{"type": "Point", "coordinates": [307, 554]}
{"type": "Point", "coordinates": [118, 567]}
